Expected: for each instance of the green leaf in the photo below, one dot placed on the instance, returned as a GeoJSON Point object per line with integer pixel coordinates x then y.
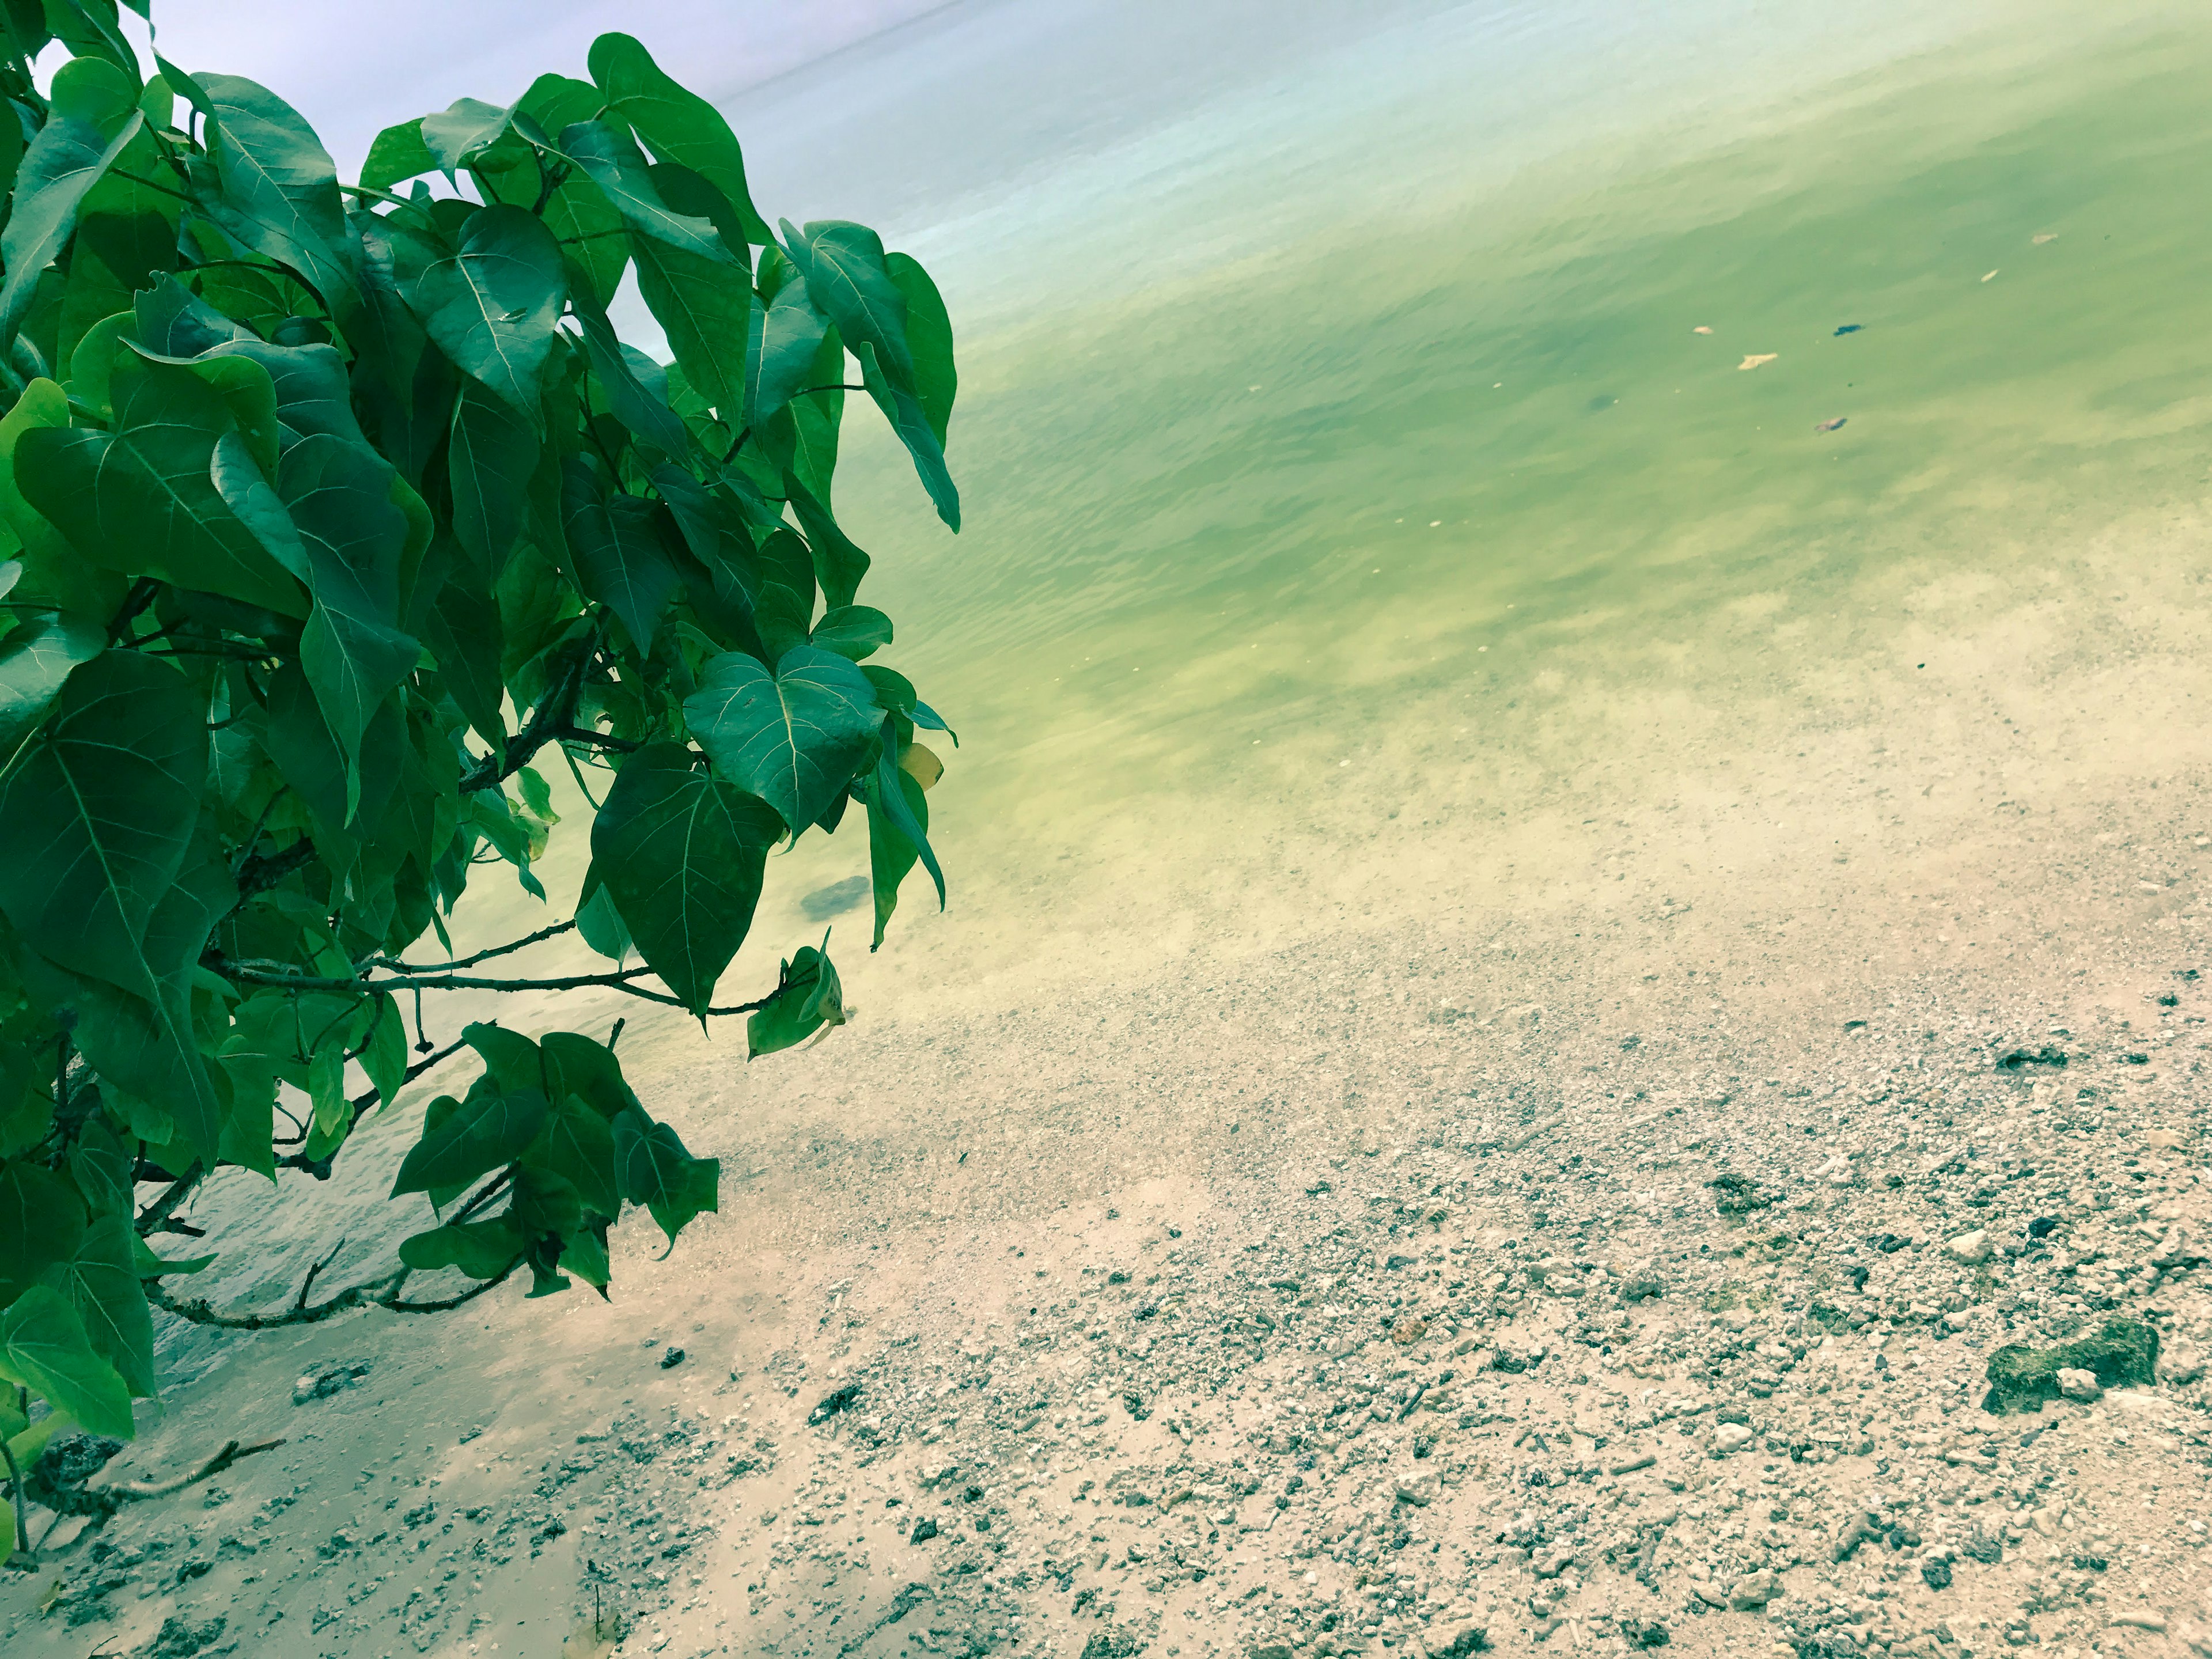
{"type": "Point", "coordinates": [846, 272]}
{"type": "Point", "coordinates": [143, 1042]}
{"type": "Point", "coordinates": [339, 498]}
{"type": "Point", "coordinates": [512, 1059]}
{"type": "Point", "coordinates": [703, 305]}
{"type": "Point", "coordinates": [784, 337]}
{"type": "Point", "coordinates": [839, 563]}
{"type": "Point", "coordinates": [101, 1281]}
{"type": "Point", "coordinates": [308, 755]}
{"type": "Point", "coordinates": [41, 1223]}
{"type": "Point", "coordinates": [584, 1253]}
{"type": "Point", "coordinates": [153, 1267]}
{"type": "Point", "coordinates": [578, 1146]}
{"type": "Point", "coordinates": [678, 124]}
{"type": "Point", "coordinates": [396, 153]}
{"type": "Point", "coordinates": [891, 854]}
{"type": "Point", "coordinates": [96, 820]}
{"type": "Point", "coordinates": [792, 737]}
{"type": "Point", "coordinates": [92, 119]}
{"type": "Point", "coordinates": [783, 599]}
{"type": "Point", "coordinates": [102, 1167]}
{"type": "Point", "coordinates": [599, 922]}
{"type": "Point", "coordinates": [929, 338]}
{"type": "Point", "coordinates": [648, 417]}
{"type": "Point", "coordinates": [482, 1249]}
{"type": "Point", "coordinates": [52, 571]}
{"type": "Point", "coordinates": [42, 1347]}
{"type": "Point", "coordinates": [457, 134]}
{"type": "Point", "coordinates": [464, 633]}
{"type": "Point", "coordinates": [852, 631]}
{"type": "Point", "coordinates": [491, 306]}
{"type": "Point", "coordinates": [33, 666]}
{"type": "Point", "coordinates": [683, 854]}
{"type": "Point", "coordinates": [493, 454]}
{"type": "Point", "coordinates": [384, 1053]}
{"type": "Point", "coordinates": [887, 792]}
{"type": "Point", "coordinates": [808, 997]}
{"type": "Point", "coordinates": [612, 160]}
{"type": "Point", "coordinates": [140, 500]}
{"type": "Point", "coordinates": [654, 1169]}
{"type": "Point", "coordinates": [588, 1070]}
{"type": "Point", "coordinates": [87, 28]}
{"type": "Point", "coordinates": [280, 188]}
{"type": "Point", "coordinates": [620, 559]}
{"type": "Point", "coordinates": [485, 1131]}
{"type": "Point", "coordinates": [903, 410]}
{"type": "Point", "coordinates": [490, 812]}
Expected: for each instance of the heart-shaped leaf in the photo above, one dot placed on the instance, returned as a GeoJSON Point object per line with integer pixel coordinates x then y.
{"type": "Point", "coordinates": [793, 738]}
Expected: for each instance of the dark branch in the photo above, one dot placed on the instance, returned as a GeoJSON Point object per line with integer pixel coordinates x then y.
{"type": "Point", "coordinates": [200, 1311]}
{"type": "Point", "coordinates": [373, 1293]}
{"type": "Point", "coordinates": [240, 973]}
{"type": "Point", "coordinates": [308, 1283]}
{"type": "Point", "coordinates": [258, 872]}
{"type": "Point", "coordinates": [450, 1303]}
{"type": "Point", "coordinates": [141, 595]}
{"type": "Point", "coordinates": [567, 734]}
{"type": "Point", "coordinates": [398, 967]}
{"type": "Point", "coordinates": [554, 713]}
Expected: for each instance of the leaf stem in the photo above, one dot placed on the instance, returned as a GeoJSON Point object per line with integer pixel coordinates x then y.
{"type": "Point", "coordinates": [22, 1516]}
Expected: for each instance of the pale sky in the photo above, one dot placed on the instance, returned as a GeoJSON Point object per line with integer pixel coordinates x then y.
{"type": "Point", "coordinates": [354, 68]}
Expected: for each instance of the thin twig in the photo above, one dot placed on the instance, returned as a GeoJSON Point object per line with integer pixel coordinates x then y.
{"type": "Point", "coordinates": [400, 966]}
{"type": "Point", "coordinates": [308, 1283]}
{"type": "Point", "coordinates": [231, 1453]}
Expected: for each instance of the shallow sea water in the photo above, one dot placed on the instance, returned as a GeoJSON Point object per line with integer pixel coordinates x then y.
{"type": "Point", "coordinates": [1392, 483]}
{"type": "Point", "coordinates": [1360, 529]}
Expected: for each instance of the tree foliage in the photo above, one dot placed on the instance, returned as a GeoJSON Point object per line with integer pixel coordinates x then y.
{"type": "Point", "coordinates": [331, 515]}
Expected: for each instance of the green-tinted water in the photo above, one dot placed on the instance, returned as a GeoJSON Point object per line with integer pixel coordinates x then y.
{"type": "Point", "coordinates": [1384, 519]}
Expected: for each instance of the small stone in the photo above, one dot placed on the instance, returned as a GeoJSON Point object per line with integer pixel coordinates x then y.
{"type": "Point", "coordinates": [1973, 1248]}
{"type": "Point", "coordinates": [672, 1359]}
{"type": "Point", "coordinates": [1958, 1319]}
{"type": "Point", "coordinates": [326, 1380]}
{"type": "Point", "coordinates": [2079, 1385]}
{"type": "Point", "coordinates": [2182, 1362]}
{"type": "Point", "coordinates": [924, 1530]}
{"type": "Point", "coordinates": [1754, 1590]}
{"type": "Point", "coordinates": [1418, 1488]}
{"type": "Point", "coordinates": [1935, 1572]}
{"type": "Point", "coordinates": [1731, 1436]}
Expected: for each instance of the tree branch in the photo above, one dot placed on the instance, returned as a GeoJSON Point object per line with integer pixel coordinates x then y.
{"type": "Point", "coordinates": [400, 966]}
{"type": "Point", "coordinates": [241, 973]}
{"type": "Point", "coordinates": [200, 1311]}
{"type": "Point", "coordinates": [554, 713]}
{"type": "Point", "coordinates": [372, 1293]}
{"type": "Point", "coordinates": [258, 872]}
{"type": "Point", "coordinates": [231, 1452]}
